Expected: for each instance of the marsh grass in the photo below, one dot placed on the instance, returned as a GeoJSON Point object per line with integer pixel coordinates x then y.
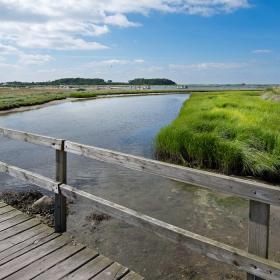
{"type": "Point", "coordinates": [234, 132]}
{"type": "Point", "coordinates": [11, 98]}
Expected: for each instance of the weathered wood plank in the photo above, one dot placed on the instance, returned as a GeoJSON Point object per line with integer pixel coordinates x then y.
{"type": "Point", "coordinates": [26, 246]}
{"type": "Point", "coordinates": [60, 200]}
{"type": "Point", "coordinates": [90, 269]}
{"type": "Point", "coordinates": [29, 177]}
{"type": "Point", "coordinates": [14, 221]}
{"type": "Point", "coordinates": [22, 261]}
{"type": "Point", "coordinates": [132, 276]}
{"type": "Point", "coordinates": [6, 209]}
{"type": "Point", "coordinates": [2, 204]}
{"type": "Point", "coordinates": [203, 245]}
{"type": "Point", "coordinates": [23, 236]}
{"type": "Point", "coordinates": [32, 138]}
{"type": "Point", "coordinates": [9, 215]}
{"type": "Point", "coordinates": [258, 237]}
{"type": "Point", "coordinates": [18, 228]}
{"type": "Point", "coordinates": [216, 182]}
{"type": "Point", "coordinates": [113, 272]}
{"type": "Point", "coordinates": [43, 264]}
{"type": "Point", "coordinates": [68, 266]}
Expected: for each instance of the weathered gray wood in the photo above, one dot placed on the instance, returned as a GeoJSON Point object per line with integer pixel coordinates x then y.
{"type": "Point", "coordinates": [90, 269]}
{"type": "Point", "coordinates": [68, 266]}
{"type": "Point", "coordinates": [132, 276]}
{"type": "Point", "coordinates": [6, 209]}
{"type": "Point", "coordinates": [20, 262]}
{"type": "Point", "coordinates": [113, 272]}
{"type": "Point", "coordinates": [26, 246]}
{"type": "Point", "coordinates": [43, 264]}
{"type": "Point", "coordinates": [203, 245]}
{"type": "Point", "coordinates": [29, 177]}
{"type": "Point", "coordinates": [32, 138]}
{"type": "Point", "coordinates": [23, 236]}
{"type": "Point", "coordinates": [2, 204]}
{"type": "Point", "coordinates": [217, 182]}
{"type": "Point", "coordinates": [60, 200]}
{"type": "Point", "coordinates": [9, 215]}
{"type": "Point", "coordinates": [14, 221]}
{"type": "Point", "coordinates": [18, 228]}
{"type": "Point", "coordinates": [258, 237]}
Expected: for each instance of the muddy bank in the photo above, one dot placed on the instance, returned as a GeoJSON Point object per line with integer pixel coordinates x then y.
{"type": "Point", "coordinates": [25, 201]}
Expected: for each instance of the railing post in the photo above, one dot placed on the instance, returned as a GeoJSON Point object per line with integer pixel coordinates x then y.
{"type": "Point", "coordinates": [60, 200]}
{"type": "Point", "coordinates": [258, 238]}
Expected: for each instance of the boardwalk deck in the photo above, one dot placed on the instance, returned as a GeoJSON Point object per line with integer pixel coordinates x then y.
{"type": "Point", "coordinates": [31, 250]}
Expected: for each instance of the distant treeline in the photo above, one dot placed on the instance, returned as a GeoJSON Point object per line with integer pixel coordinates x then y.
{"type": "Point", "coordinates": [151, 82]}
{"type": "Point", "coordinates": [89, 82]}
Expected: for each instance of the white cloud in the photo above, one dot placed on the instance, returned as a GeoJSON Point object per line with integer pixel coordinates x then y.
{"type": "Point", "coordinates": [34, 59]}
{"type": "Point", "coordinates": [262, 51]}
{"type": "Point", "coordinates": [63, 24]}
{"type": "Point", "coordinates": [111, 62]}
{"type": "Point", "coordinates": [208, 66]}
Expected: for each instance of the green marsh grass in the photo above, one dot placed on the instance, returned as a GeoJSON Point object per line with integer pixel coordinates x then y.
{"type": "Point", "coordinates": [234, 132]}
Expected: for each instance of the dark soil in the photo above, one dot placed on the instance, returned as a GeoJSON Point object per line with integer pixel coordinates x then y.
{"type": "Point", "coordinates": [24, 200]}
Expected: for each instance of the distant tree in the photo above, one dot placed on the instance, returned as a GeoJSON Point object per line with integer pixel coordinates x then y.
{"type": "Point", "coordinates": [150, 82]}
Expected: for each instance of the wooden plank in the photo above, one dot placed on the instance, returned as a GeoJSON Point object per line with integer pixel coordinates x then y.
{"type": "Point", "coordinates": [71, 264]}
{"type": "Point", "coordinates": [23, 236]}
{"type": "Point", "coordinates": [32, 138]}
{"type": "Point", "coordinates": [26, 246]}
{"type": "Point", "coordinates": [6, 209]}
{"type": "Point", "coordinates": [2, 204]}
{"type": "Point", "coordinates": [22, 261]}
{"type": "Point", "coordinates": [132, 276]}
{"type": "Point", "coordinates": [9, 215]}
{"type": "Point", "coordinates": [216, 182]}
{"type": "Point", "coordinates": [29, 177]}
{"type": "Point", "coordinates": [113, 272]}
{"type": "Point", "coordinates": [258, 237]}
{"type": "Point", "coordinates": [18, 228]}
{"type": "Point", "coordinates": [43, 264]}
{"type": "Point", "coordinates": [90, 269]}
{"type": "Point", "coordinates": [60, 200]}
{"type": "Point", "coordinates": [14, 221]}
{"type": "Point", "coordinates": [203, 245]}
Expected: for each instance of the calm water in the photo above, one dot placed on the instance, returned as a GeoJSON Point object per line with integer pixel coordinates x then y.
{"type": "Point", "coordinates": [129, 125]}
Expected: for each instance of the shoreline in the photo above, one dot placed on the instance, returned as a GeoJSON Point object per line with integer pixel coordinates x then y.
{"type": "Point", "coordinates": [72, 99]}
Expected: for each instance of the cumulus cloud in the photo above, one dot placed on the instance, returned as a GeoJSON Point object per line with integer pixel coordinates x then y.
{"type": "Point", "coordinates": [63, 24]}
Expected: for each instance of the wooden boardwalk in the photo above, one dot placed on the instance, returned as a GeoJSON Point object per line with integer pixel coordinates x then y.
{"type": "Point", "coordinates": [32, 250]}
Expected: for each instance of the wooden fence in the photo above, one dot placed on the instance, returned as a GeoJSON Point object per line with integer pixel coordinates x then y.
{"type": "Point", "coordinates": [255, 262]}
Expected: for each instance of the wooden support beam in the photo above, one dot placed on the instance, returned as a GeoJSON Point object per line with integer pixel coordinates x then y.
{"type": "Point", "coordinates": [60, 200]}
{"type": "Point", "coordinates": [258, 237]}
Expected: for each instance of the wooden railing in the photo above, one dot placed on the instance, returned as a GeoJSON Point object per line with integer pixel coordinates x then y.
{"type": "Point", "coordinates": [255, 262]}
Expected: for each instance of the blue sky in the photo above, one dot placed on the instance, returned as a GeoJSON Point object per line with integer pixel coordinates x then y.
{"type": "Point", "coordinates": [189, 41]}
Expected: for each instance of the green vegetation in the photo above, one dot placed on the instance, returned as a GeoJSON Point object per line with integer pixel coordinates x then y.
{"type": "Point", "coordinates": [151, 82]}
{"type": "Point", "coordinates": [11, 98]}
{"type": "Point", "coordinates": [235, 132]}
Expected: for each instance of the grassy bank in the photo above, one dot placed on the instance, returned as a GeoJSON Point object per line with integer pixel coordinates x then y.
{"type": "Point", "coordinates": [11, 98]}
{"type": "Point", "coordinates": [234, 132]}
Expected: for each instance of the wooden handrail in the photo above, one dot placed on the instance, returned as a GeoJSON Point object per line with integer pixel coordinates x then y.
{"type": "Point", "coordinates": [30, 177]}
{"type": "Point", "coordinates": [261, 196]}
{"type": "Point", "coordinates": [32, 138]}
